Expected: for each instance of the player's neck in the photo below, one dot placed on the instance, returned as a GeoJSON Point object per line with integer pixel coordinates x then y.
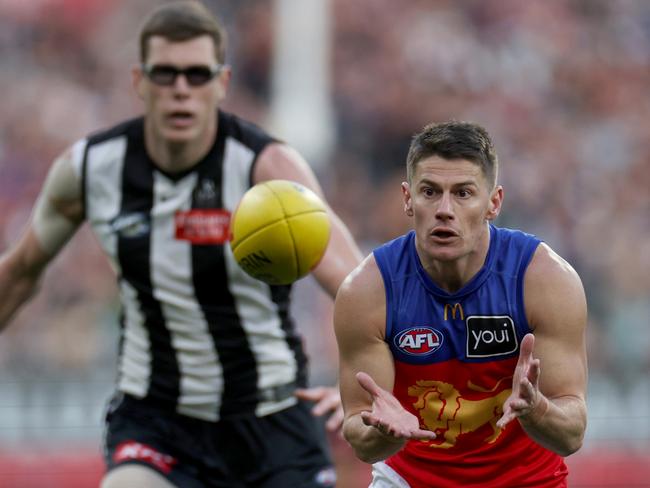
{"type": "Point", "coordinates": [175, 157]}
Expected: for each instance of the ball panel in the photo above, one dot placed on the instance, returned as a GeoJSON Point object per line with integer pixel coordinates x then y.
{"type": "Point", "coordinates": [294, 198]}
{"type": "Point", "coordinates": [268, 254]}
{"type": "Point", "coordinates": [279, 231]}
{"type": "Point", "coordinates": [258, 207]}
{"type": "Point", "coordinates": [311, 233]}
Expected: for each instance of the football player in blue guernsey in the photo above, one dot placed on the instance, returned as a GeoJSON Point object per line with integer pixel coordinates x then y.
{"type": "Point", "coordinates": [462, 344]}
{"type": "Point", "coordinates": [212, 373]}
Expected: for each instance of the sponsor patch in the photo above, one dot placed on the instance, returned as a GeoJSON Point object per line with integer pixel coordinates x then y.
{"type": "Point", "coordinates": [131, 225]}
{"type": "Point", "coordinates": [203, 226]}
{"type": "Point", "coordinates": [135, 451]}
{"type": "Point", "coordinates": [490, 336]}
{"type": "Point", "coordinates": [419, 341]}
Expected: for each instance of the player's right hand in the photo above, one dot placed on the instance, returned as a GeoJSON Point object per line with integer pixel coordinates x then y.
{"type": "Point", "coordinates": [388, 416]}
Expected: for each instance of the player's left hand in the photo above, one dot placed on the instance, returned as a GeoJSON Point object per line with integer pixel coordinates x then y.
{"type": "Point", "coordinates": [328, 400]}
{"type": "Point", "coordinates": [525, 399]}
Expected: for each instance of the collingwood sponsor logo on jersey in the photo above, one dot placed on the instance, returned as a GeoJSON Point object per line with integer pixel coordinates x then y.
{"type": "Point", "coordinates": [490, 336]}
{"type": "Point", "coordinates": [131, 225]}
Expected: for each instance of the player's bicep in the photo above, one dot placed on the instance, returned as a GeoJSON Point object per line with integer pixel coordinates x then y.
{"type": "Point", "coordinates": [557, 309]}
{"type": "Point", "coordinates": [281, 161]}
{"type": "Point", "coordinates": [58, 211]}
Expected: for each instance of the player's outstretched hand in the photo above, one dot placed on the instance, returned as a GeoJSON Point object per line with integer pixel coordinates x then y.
{"type": "Point", "coordinates": [328, 401]}
{"type": "Point", "coordinates": [388, 416]}
{"type": "Point", "coordinates": [525, 397]}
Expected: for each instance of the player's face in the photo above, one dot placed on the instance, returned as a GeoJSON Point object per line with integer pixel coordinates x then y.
{"type": "Point", "coordinates": [451, 203]}
{"type": "Point", "coordinates": [181, 108]}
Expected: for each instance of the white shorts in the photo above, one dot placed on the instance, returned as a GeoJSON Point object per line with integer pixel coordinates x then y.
{"type": "Point", "coordinates": [383, 476]}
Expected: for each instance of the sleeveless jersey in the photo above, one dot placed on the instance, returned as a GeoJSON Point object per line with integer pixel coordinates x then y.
{"type": "Point", "coordinates": [198, 335]}
{"type": "Point", "coordinates": [455, 355]}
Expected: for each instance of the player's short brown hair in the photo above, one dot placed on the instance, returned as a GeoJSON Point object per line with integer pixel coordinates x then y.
{"type": "Point", "coordinates": [181, 21]}
{"type": "Point", "coordinates": [454, 140]}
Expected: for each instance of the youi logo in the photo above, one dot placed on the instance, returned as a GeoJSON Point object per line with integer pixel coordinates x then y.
{"type": "Point", "coordinates": [419, 341]}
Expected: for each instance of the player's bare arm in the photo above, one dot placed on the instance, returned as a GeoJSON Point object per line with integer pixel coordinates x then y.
{"type": "Point", "coordinates": [375, 424]}
{"type": "Point", "coordinates": [550, 381]}
{"type": "Point", "coordinates": [55, 218]}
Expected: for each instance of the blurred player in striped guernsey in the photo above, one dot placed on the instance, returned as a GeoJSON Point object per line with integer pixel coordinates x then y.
{"type": "Point", "coordinates": [462, 345]}
{"type": "Point", "coordinates": [212, 375]}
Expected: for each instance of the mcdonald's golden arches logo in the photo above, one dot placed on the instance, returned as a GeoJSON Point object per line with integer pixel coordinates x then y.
{"type": "Point", "coordinates": [456, 308]}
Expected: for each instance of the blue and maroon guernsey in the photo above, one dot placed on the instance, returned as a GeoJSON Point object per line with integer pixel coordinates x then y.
{"type": "Point", "coordinates": [455, 355]}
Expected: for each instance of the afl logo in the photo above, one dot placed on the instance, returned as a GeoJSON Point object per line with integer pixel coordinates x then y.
{"type": "Point", "coordinates": [419, 341]}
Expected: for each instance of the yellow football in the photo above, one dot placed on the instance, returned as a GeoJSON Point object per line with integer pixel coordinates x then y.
{"type": "Point", "coordinates": [279, 231]}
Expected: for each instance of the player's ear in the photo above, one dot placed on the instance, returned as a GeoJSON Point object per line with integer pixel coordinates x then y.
{"type": "Point", "coordinates": [223, 81]}
{"type": "Point", "coordinates": [496, 200]}
{"type": "Point", "coordinates": [408, 201]}
{"type": "Point", "coordinates": [224, 76]}
{"type": "Point", "coordinates": [137, 79]}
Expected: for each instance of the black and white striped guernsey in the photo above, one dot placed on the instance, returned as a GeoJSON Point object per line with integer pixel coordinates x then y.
{"type": "Point", "coordinates": [198, 335]}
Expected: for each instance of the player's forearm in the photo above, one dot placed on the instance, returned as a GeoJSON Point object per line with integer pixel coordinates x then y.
{"type": "Point", "coordinates": [20, 273]}
{"type": "Point", "coordinates": [369, 444]}
{"type": "Point", "coordinates": [15, 290]}
{"type": "Point", "coordinates": [558, 424]}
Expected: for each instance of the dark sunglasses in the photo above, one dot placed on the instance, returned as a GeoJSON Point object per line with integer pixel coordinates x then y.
{"type": "Point", "coordinates": [165, 75]}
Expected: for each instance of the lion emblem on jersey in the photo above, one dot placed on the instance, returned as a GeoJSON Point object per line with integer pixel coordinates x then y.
{"type": "Point", "coordinates": [449, 414]}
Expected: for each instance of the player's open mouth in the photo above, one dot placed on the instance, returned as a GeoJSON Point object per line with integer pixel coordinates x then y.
{"type": "Point", "coordinates": [443, 235]}
{"type": "Point", "coordinates": [180, 118]}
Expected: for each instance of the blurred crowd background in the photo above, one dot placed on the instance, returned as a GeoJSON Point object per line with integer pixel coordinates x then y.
{"type": "Point", "coordinates": [563, 86]}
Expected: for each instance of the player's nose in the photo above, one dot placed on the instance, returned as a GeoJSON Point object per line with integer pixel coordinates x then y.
{"type": "Point", "coordinates": [445, 209]}
{"type": "Point", "coordinates": [181, 86]}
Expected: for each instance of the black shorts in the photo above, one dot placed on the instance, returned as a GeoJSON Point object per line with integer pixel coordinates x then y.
{"type": "Point", "coordinates": [281, 450]}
